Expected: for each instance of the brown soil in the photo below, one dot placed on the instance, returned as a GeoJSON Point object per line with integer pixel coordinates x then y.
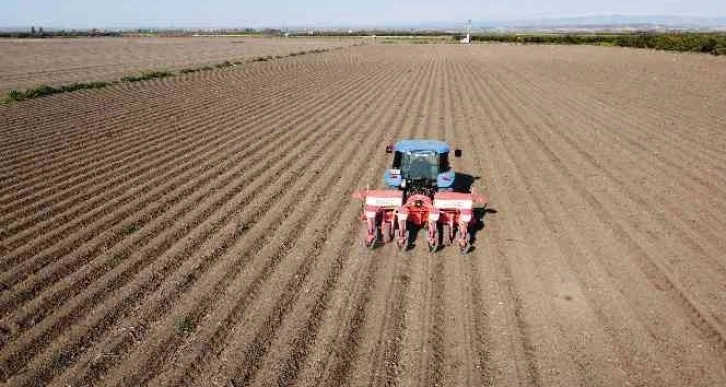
{"type": "Point", "coordinates": [28, 63]}
{"type": "Point", "coordinates": [200, 231]}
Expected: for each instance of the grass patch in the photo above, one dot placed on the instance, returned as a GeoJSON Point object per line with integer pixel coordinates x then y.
{"type": "Point", "coordinates": [115, 259]}
{"type": "Point", "coordinates": [223, 65]}
{"type": "Point", "coordinates": [262, 58]}
{"type": "Point", "coordinates": [146, 75]}
{"type": "Point", "coordinates": [185, 325]}
{"type": "Point", "coordinates": [130, 229]}
{"type": "Point", "coordinates": [189, 71]}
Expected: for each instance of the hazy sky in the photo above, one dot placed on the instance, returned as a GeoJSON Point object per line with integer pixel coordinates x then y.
{"type": "Point", "coordinates": [188, 13]}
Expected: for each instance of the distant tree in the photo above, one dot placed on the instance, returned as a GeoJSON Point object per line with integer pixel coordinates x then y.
{"type": "Point", "coordinates": [40, 30]}
{"type": "Point", "coordinates": [32, 30]}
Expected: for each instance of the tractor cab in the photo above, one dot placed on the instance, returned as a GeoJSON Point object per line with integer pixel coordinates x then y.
{"type": "Point", "coordinates": [420, 166]}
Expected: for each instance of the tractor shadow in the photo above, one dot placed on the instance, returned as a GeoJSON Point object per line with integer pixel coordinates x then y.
{"type": "Point", "coordinates": [463, 182]}
{"type": "Point", "coordinates": [413, 235]}
{"type": "Point", "coordinates": [479, 214]}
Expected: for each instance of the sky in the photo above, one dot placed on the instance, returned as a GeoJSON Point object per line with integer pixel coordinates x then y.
{"type": "Point", "coordinates": [281, 13]}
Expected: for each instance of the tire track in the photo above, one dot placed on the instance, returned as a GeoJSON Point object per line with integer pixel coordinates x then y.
{"type": "Point", "coordinates": [385, 362]}
{"type": "Point", "coordinates": [422, 361]}
{"type": "Point", "coordinates": [295, 349]}
{"type": "Point", "coordinates": [380, 360]}
{"type": "Point", "coordinates": [467, 358]}
{"type": "Point", "coordinates": [474, 305]}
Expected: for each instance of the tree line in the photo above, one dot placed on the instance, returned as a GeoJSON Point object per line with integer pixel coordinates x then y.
{"type": "Point", "coordinates": [40, 33]}
{"type": "Point", "coordinates": [711, 43]}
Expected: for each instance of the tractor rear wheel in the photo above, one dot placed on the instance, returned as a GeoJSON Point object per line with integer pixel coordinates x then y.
{"type": "Point", "coordinates": [369, 240]}
{"type": "Point", "coordinates": [464, 243]}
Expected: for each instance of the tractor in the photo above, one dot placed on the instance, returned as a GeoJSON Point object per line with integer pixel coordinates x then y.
{"type": "Point", "coordinates": [420, 194]}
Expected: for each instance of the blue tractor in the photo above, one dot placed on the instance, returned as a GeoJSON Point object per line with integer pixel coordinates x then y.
{"type": "Point", "coordinates": [420, 194]}
{"type": "Point", "coordinates": [421, 166]}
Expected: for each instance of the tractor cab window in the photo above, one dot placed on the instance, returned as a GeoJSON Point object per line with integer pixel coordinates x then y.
{"type": "Point", "coordinates": [420, 165]}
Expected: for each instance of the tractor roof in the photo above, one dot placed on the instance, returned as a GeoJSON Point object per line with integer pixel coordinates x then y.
{"type": "Point", "coordinates": [422, 145]}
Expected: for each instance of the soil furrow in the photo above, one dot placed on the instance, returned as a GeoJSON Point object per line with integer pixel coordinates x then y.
{"type": "Point", "coordinates": [199, 229]}
{"type": "Point", "coordinates": [167, 342]}
{"type": "Point", "coordinates": [156, 279]}
{"type": "Point", "coordinates": [198, 359]}
{"type": "Point", "coordinates": [466, 294]}
{"type": "Point", "coordinates": [223, 201]}
{"type": "Point", "coordinates": [370, 144]}
{"type": "Point", "coordinates": [712, 326]}
{"type": "Point", "coordinates": [529, 371]}
{"type": "Point", "coordinates": [252, 249]}
{"type": "Point", "coordinates": [548, 215]}
{"type": "Point", "coordinates": [648, 138]}
{"type": "Point", "coordinates": [703, 229]}
{"type": "Point", "coordinates": [152, 112]}
{"type": "Point", "coordinates": [269, 110]}
{"type": "Point", "coordinates": [569, 175]}
{"type": "Point", "coordinates": [107, 244]}
{"type": "Point", "coordinates": [334, 366]}
{"type": "Point", "coordinates": [298, 346]}
{"type": "Point", "coordinates": [677, 138]}
{"type": "Point", "coordinates": [302, 364]}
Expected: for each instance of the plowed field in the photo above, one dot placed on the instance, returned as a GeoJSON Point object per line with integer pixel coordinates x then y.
{"type": "Point", "coordinates": [26, 63]}
{"type": "Point", "coordinates": [199, 230]}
